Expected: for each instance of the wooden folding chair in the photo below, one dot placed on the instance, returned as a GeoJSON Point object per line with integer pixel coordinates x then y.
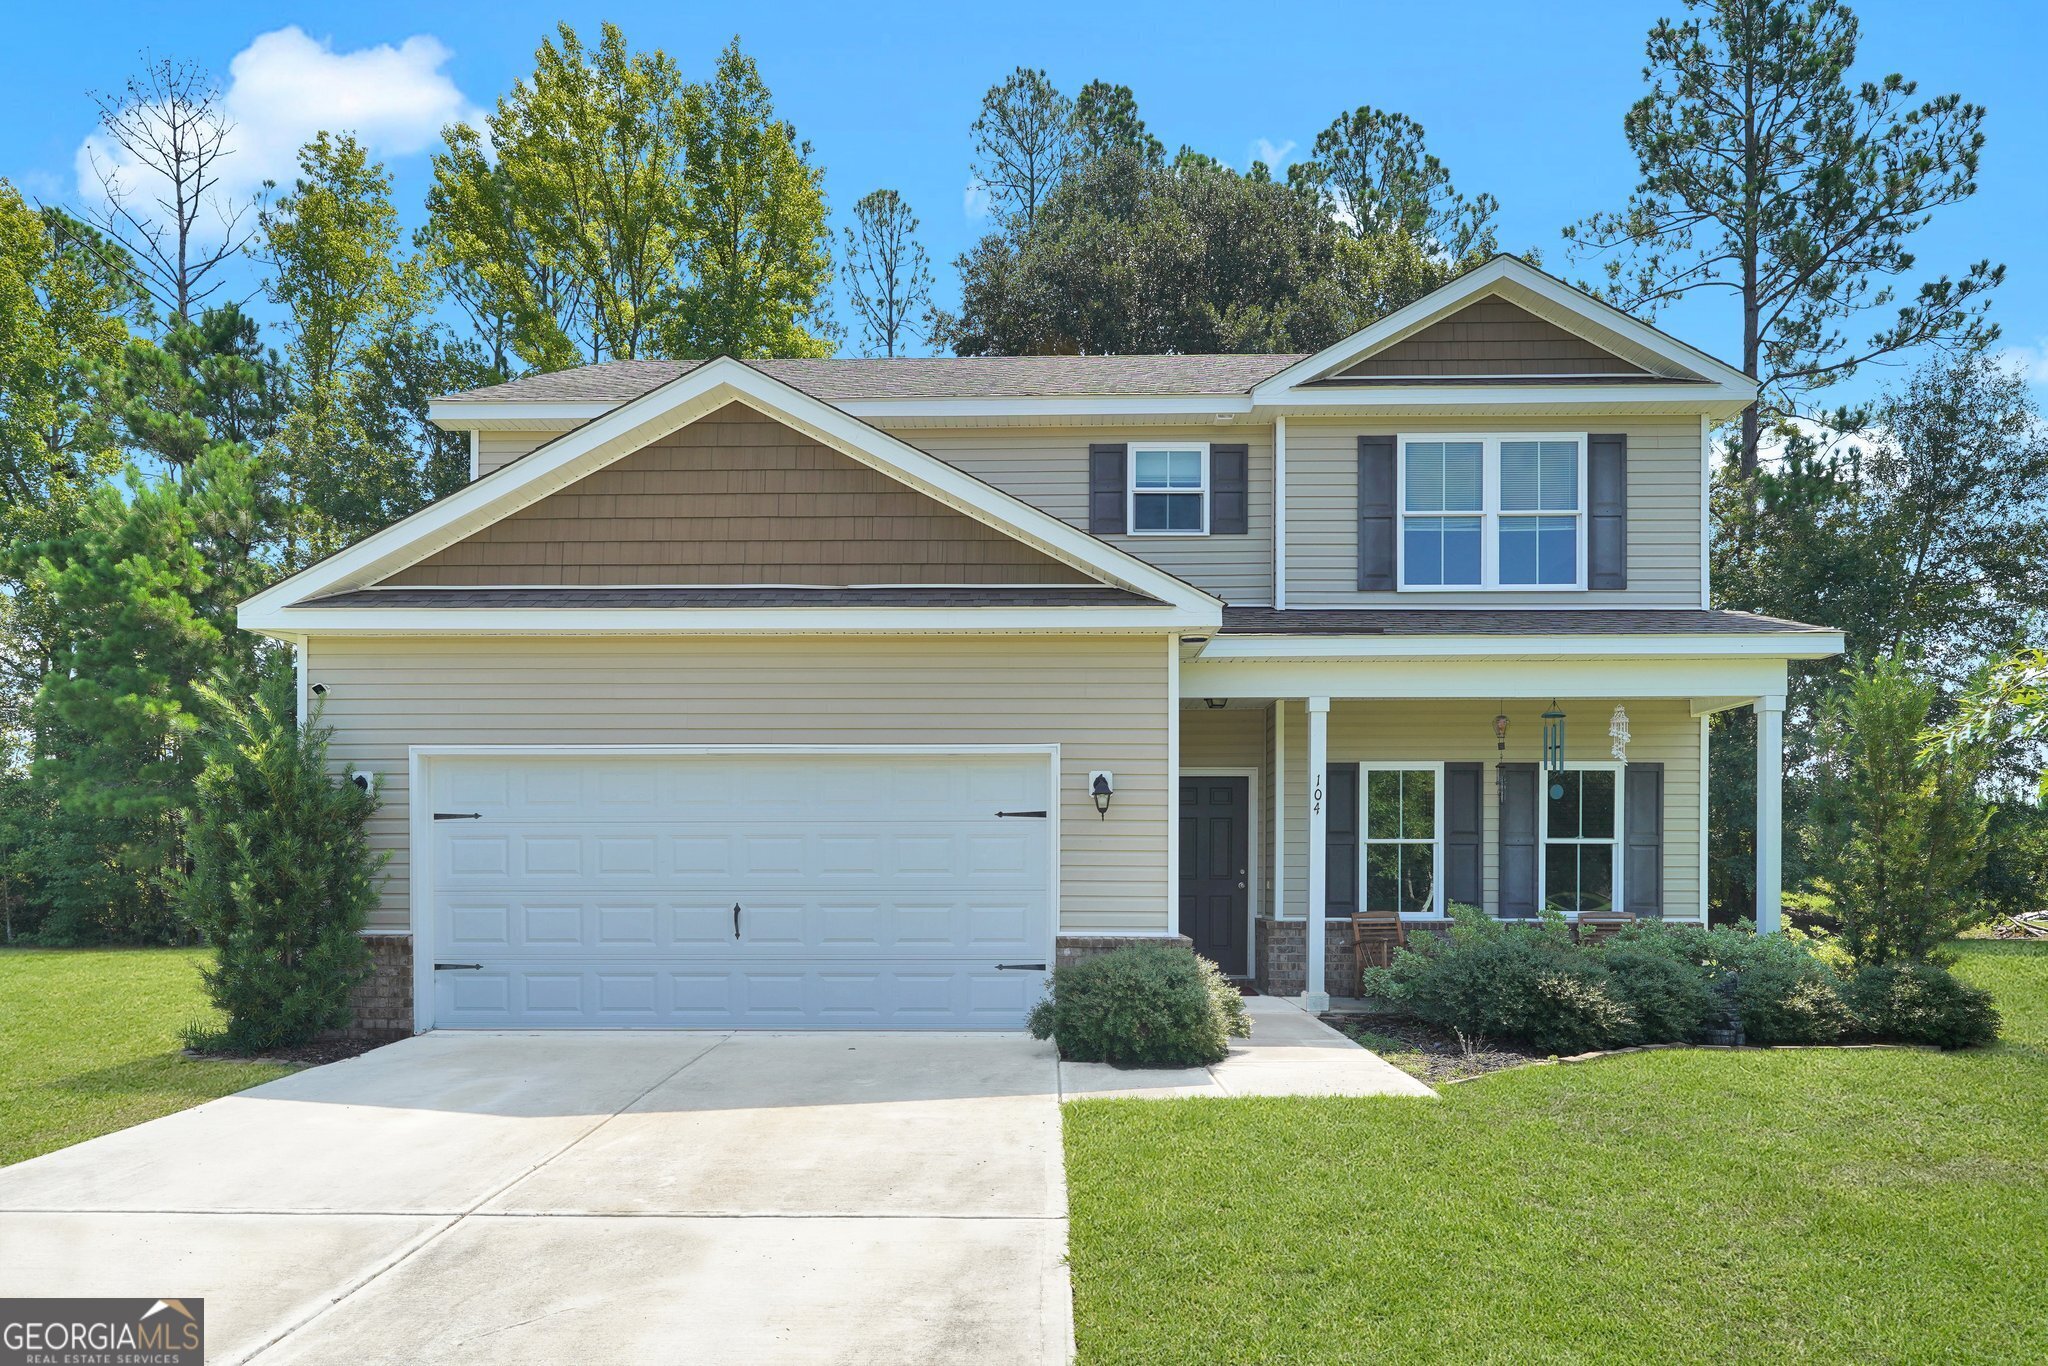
{"type": "Point", "coordinates": [1374, 937]}
{"type": "Point", "coordinates": [1594, 928]}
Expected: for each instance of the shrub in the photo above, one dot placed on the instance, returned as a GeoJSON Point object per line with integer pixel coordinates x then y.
{"type": "Point", "coordinates": [1143, 1005]}
{"type": "Point", "coordinates": [282, 876]}
{"type": "Point", "coordinates": [1921, 1003]}
{"type": "Point", "coordinates": [1518, 984]}
{"type": "Point", "coordinates": [1788, 1001]}
{"type": "Point", "coordinates": [1668, 997]}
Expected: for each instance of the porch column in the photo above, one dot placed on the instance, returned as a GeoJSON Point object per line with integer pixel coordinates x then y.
{"type": "Point", "coordinates": [1314, 997]}
{"type": "Point", "coordinates": [1770, 810]}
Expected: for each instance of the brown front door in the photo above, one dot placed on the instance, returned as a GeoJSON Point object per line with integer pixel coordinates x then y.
{"type": "Point", "coordinates": [1215, 848]}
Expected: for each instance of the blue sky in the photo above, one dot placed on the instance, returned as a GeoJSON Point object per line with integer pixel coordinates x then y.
{"type": "Point", "coordinates": [1524, 101]}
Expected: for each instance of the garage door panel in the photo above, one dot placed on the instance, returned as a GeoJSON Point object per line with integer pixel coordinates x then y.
{"type": "Point", "coordinates": [874, 892]}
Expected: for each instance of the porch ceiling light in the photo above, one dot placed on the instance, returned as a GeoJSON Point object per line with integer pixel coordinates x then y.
{"type": "Point", "coordinates": [1617, 731]}
{"type": "Point", "coordinates": [1215, 703]}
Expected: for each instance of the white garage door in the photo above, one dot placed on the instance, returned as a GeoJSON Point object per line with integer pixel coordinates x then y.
{"type": "Point", "coordinates": [739, 891]}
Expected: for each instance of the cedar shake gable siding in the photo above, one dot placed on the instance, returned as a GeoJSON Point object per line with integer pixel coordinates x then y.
{"type": "Point", "coordinates": [736, 498]}
{"type": "Point", "coordinates": [1490, 336]}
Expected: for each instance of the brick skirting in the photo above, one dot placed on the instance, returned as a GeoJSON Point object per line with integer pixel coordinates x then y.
{"type": "Point", "coordinates": [1072, 948]}
{"type": "Point", "coordinates": [383, 1003]}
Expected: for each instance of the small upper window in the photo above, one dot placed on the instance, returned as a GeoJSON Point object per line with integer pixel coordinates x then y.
{"type": "Point", "coordinates": [1170, 490]}
{"type": "Point", "coordinates": [1493, 512]}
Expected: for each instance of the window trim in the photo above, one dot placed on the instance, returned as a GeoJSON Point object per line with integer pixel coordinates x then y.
{"type": "Point", "coordinates": [1131, 489]}
{"type": "Point", "coordinates": [1438, 907]}
{"type": "Point", "coordinates": [1489, 514]}
{"type": "Point", "coordinates": [1615, 842]}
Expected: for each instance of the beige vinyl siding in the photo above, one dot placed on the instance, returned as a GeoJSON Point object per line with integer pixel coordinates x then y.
{"type": "Point", "coordinates": [1237, 737]}
{"type": "Point", "coordinates": [494, 450]}
{"type": "Point", "coordinates": [1664, 470]}
{"type": "Point", "coordinates": [1664, 732]}
{"type": "Point", "coordinates": [1102, 700]}
{"type": "Point", "coordinates": [1048, 468]}
{"type": "Point", "coordinates": [736, 498]}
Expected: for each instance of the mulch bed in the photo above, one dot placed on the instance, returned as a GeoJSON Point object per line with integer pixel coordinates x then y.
{"type": "Point", "coordinates": [1433, 1054]}
{"type": "Point", "coordinates": [313, 1054]}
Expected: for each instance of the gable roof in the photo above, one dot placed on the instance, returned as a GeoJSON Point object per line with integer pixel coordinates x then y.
{"type": "Point", "coordinates": [281, 610]}
{"type": "Point", "coordinates": [1669, 362]}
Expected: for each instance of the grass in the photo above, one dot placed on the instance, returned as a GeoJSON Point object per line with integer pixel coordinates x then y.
{"type": "Point", "coordinates": [1869, 1206]}
{"type": "Point", "coordinates": [89, 1043]}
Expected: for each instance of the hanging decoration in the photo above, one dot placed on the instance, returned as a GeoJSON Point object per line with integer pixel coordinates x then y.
{"type": "Point", "coordinates": [1500, 745]}
{"type": "Point", "coordinates": [1617, 731]}
{"type": "Point", "coordinates": [1553, 746]}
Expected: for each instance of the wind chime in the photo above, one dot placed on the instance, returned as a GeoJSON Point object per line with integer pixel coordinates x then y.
{"type": "Point", "coordinates": [1553, 750]}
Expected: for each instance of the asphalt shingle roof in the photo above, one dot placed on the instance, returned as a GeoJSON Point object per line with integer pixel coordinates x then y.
{"type": "Point", "coordinates": [1480, 621]}
{"type": "Point", "coordinates": [993, 595]}
{"type": "Point", "coordinates": [913, 377]}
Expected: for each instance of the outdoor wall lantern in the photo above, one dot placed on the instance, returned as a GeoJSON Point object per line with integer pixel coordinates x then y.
{"type": "Point", "coordinates": [1617, 731]}
{"type": "Point", "coordinates": [1553, 748]}
{"type": "Point", "coordinates": [1101, 786]}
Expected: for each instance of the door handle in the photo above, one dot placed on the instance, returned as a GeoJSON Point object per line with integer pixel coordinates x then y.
{"type": "Point", "coordinates": [735, 919]}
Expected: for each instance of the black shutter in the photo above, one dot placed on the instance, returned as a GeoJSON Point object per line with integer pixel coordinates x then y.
{"type": "Point", "coordinates": [1340, 840]}
{"type": "Point", "coordinates": [1518, 813]}
{"type": "Point", "coordinates": [1229, 490]}
{"type": "Point", "coordinates": [1607, 512]}
{"type": "Point", "coordinates": [1464, 844]}
{"type": "Point", "coordinates": [1108, 505]}
{"type": "Point", "coordinates": [1376, 514]}
{"type": "Point", "coordinates": [1642, 833]}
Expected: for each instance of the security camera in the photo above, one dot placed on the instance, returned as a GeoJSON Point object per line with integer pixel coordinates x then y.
{"type": "Point", "coordinates": [319, 690]}
{"type": "Point", "coordinates": [364, 780]}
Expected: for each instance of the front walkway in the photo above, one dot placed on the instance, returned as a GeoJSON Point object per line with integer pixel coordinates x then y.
{"type": "Point", "coordinates": [593, 1197]}
{"type": "Point", "coordinates": [1290, 1053]}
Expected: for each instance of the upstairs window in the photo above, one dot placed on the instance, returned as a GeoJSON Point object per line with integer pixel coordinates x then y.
{"type": "Point", "coordinates": [1169, 490]}
{"type": "Point", "coordinates": [1493, 512]}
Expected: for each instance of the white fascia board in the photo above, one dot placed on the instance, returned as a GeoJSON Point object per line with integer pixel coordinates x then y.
{"type": "Point", "coordinates": [676, 621]}
{"type": "Point", "coordinates": [1478, 281]}
{"type": "Point", "coordinates": [513, 415]}
{"type": "Point", "coordinates": [1485, 680]}
{"type": "Point", "coordinates": [675, 405]}
{"type": "Point", "coordinates": [1790, 645]}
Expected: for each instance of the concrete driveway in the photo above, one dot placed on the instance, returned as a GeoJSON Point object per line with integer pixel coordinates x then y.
{"type": "Point", "coordinates": [587, 1197]}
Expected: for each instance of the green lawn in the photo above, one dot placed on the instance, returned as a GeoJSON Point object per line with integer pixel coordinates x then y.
{"type": "Point", "coordinates": [89, 1043]}
{"type": "Point", "coordinates": [1674, 1206]}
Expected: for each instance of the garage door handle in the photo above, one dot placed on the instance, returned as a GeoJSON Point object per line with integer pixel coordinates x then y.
{"type": "Point", "coordinates": [1020, 967]}
{"type": "Point", "coordinates": [735, 919]}
{"type": "Point", "coordinates": [1038, 814]}
{"type": "Point", "coordinates": [458, 967]}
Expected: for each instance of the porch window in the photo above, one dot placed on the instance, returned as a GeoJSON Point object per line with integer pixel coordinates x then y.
{"type": "Point", "coordinates": [1401, 848]}
{"type": "Point", "coordinates": [1493, 512]}
{"type": "Point", "coordinates": [1170, 490]}
{"type": "Point", "coordinates": [1581, 820]}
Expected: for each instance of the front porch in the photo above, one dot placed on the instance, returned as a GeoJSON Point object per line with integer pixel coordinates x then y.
{"type": "Point", "coordinates": [1311, 808]}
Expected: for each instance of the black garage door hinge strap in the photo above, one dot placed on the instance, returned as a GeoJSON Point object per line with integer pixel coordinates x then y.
{"type": "Point", "coordinates": [1020, 967]}
{"type": "Point", "coordinates": [458, 967]}
{"type": "Point", "coordinates": [458, 815]}
{"type": "Point", "coordinates": [1039, 814]}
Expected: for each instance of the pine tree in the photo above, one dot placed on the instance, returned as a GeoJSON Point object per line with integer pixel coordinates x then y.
{"type": "Point", "coordinates": [282, 875]}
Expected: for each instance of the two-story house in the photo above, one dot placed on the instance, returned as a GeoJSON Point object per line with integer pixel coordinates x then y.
{"type": "Point", "coordinates": [857, 693]}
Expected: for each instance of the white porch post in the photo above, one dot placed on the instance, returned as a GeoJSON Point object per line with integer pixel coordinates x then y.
{"type": "Point", "coordinates": [1314, 997]}
{"type": "Point", "coordinates": [1770, 810]}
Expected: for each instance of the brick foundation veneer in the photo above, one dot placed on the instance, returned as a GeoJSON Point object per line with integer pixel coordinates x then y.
{"type": "Point", "coordinates": [1072, 948]}
{"type": "Point", "coordinates": [1283, 955]}
{"type": "Point", "coordinates": [383, 1003]}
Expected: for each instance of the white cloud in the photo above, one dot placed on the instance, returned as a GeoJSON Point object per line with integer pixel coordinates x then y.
{"type": "Point", "coordinates": [1276, 155]}
{"type": "Point", "coordinates": [286, 86]}
{"type": "Point", "coordinates": [975, 201]}
{"type": "Point", "coordinates": [2029, 362]}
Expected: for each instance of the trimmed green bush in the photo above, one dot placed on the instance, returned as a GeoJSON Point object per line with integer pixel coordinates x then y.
{"type": "Point", "coordinates": [1786, 1002]}
{"type": "Point", "coordinates": [1520, 985]}
{"type": "Point", "coordinates": [1921, 1003]}
{"type": "Point", "coordinates": [1669, 998]}
{"type": "Point", "coordinates": [1143, 1005]}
